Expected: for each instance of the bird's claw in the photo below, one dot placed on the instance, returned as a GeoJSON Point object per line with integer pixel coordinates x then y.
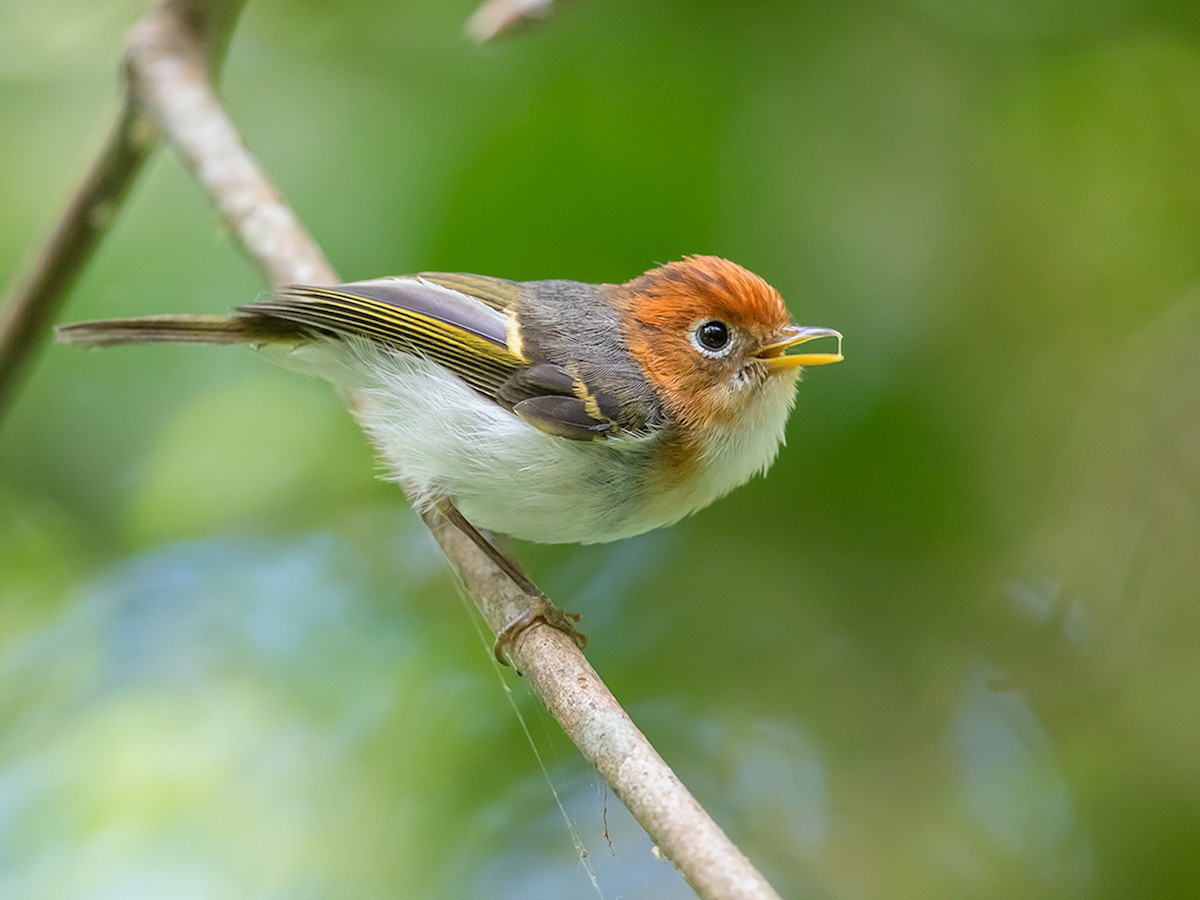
{"type": "Point", "coordinates": [542, 611]}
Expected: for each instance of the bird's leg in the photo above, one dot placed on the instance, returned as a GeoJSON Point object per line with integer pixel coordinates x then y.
{"type": "Point", "coordinates": [543, 609]}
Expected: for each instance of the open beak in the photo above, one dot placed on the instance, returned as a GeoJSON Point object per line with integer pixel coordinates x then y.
{"type": "Point", "coordinates": [776, 358]}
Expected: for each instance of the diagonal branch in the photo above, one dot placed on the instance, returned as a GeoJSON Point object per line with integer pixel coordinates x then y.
{"type": "Point", "coordinates": [30, 305]}
{"type": "Point", "coordinates": [496, 18]}
{"type": "Point", "coordinates": [171, 82]}
{"type": "Point", "coordinates": [170, 63]}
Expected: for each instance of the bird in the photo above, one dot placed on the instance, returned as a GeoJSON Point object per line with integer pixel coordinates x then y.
{"type": "Point", "coordinates": [551, 411]}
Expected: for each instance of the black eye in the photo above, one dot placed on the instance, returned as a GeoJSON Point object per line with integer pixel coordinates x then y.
{"type": "Point", "coordinates": [713, 335]}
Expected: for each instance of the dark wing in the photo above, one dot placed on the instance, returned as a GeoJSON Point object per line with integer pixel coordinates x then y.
{"type": "Point", "coordinates": [566, 417]}
{"type": "Point", "coordinates": [498, 293]}
{"type": "Point", "coordinates": [556, 401]}
{"type": "Point", "coordinates": [461, 322]}
{"type": "Point", "coordinates": [445, 325]}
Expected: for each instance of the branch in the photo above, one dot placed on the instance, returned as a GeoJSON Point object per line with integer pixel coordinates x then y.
{"type": "Point", "coordinates": [32, 304]}
{"type": "Point", "coordinates": [597, 724]}
{"type": "Point", "coordinates": [171, 82]}
{"type": "Point", "coordinates": [496, 18]}
{"type": "Point", "coordinates": [169, 67]}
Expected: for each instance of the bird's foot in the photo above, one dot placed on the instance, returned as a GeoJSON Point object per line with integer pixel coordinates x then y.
{"type": "Point", "coordinates": [542, 611]}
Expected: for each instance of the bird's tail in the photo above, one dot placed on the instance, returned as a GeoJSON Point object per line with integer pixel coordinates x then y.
{"type": "Point", "coordinates": [235, 329]}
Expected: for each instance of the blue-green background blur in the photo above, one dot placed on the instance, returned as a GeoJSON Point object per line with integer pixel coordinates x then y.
{"type": "Point", "coordinates": [950, 647]}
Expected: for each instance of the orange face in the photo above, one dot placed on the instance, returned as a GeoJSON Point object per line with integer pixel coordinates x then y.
{"type": "Point", "coordinates": [709, 334]}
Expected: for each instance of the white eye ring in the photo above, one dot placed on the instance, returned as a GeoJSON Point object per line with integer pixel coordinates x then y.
{"type": "Point", "coordinates": [711, 338]}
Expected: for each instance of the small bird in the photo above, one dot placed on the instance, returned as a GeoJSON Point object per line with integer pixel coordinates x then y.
{"type": "Point", "coordinates": [553, 411]}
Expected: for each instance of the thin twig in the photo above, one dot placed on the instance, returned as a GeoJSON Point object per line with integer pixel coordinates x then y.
{"type": "Point", "coordinates": [169, 77]}
{"type": "Point", "coordinates": [496, 18]}
{"type": "Point", "coordinates": [597, 724]}
{"type": "Point", "coordinates": [170, 84]}
{"type": "Point", "coordinates": [32, 303]}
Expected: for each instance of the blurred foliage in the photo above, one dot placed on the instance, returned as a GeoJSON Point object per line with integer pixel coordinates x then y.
{"type": "Point", "coordinates": [947, 648]}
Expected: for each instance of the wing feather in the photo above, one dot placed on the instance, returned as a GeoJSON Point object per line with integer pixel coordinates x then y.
{"type": "Point", "coordinates": [453, 329]}
{"type": "Point", "coordinates": [462, 323]}
{"type": "Point", "coordinates": [498, 293]}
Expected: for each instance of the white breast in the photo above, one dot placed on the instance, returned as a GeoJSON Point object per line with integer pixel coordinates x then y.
{"type": "Point", "coordinates": [439, 438]}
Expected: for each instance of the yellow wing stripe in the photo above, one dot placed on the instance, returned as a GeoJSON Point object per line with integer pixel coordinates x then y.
{"type": "Point", "coordinates": [406, 321]}
{"type": "Point", "coordinates": [388, 321]}
{"type": "Point", "coordinates": [478, 360]}
{"type": "Point", "coordinates": [498, 293]}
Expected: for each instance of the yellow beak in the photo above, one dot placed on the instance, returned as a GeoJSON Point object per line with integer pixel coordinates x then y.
{"type": "Point", "coordinates": [776, 358]}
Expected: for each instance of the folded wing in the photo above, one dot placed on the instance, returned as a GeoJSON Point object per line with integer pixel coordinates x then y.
{"type": "Point", "coordinates": [417, 316]}
{"type": "Point", "coordinates": [461, 323]}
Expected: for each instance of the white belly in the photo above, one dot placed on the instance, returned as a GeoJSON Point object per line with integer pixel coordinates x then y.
{"type": "Point", "coordinates": [440, 438]}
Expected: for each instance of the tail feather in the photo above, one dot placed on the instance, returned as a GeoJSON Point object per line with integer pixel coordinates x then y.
{"type": "Point", "coordinates": [237, 329]}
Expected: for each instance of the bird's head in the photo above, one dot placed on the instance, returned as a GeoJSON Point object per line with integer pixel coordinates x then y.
{"type": "Point", "coordinates": [713, 338]}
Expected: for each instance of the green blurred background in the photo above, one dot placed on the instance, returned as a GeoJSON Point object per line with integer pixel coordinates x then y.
{"type": "Point", "coordinates": [948, 648]}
